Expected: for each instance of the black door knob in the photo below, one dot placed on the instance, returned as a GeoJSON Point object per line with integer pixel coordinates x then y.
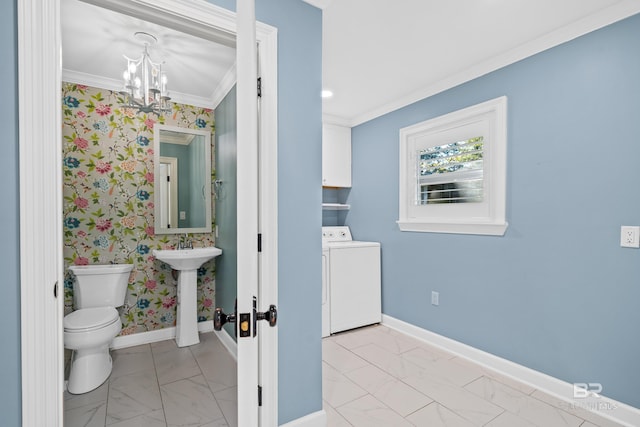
{"type": "Point", "coordinates": [220, 318]}
{"type": "Point", "coordinates": [270, 316]}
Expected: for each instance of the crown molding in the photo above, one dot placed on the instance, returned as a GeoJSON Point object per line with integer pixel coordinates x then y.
{"type": "Point", "coordinates": [320, 4]}
{"type": "Point", "coordinates": [335, 120]}
{"type": "Point", "coordinates": [223, 88]}
{"type": "Point", "coordinates": [92, 80]}
{"type": "Point", "coordinates": [607, 16]}
{"type": "Point", "coordinates": [210, 16]}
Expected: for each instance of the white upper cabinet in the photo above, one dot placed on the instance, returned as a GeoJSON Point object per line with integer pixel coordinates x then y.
{"type": "Point", "coordinates": [336, 156]}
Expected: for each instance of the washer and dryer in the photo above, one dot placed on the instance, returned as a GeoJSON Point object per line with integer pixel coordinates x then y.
{"type": "Point", "coordinates": [351, 295]}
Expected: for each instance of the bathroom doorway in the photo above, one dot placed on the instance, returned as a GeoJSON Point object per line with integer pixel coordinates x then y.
{"type": "Point", "coordinates": [44, 354]}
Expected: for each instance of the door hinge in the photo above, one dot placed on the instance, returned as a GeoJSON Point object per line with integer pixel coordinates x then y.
{"type": "Point", "coordinates": [259, 87]}
{"type": "Point", "coordinates": [259, 395]}
{"type": "Point", "coordinates": [168, 178]}
{"type": "Point", "coordinates": [55, 290]}
{"type": "Point", "coordinates": [259, 242]}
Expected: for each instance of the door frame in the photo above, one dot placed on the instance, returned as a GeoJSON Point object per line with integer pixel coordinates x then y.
{"type": "Point", "coordinates": [41, 262]}
{"type": "Point", "coordinates": [172, 183]}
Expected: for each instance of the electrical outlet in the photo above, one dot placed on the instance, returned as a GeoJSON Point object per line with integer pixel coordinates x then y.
{"type": "Point", "coordinates": [435, 298]}
{"type": "Point", "coordinates": [630, 236]}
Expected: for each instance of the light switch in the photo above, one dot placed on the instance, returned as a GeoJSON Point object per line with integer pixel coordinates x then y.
{"type": "Point", "coordinates": [435, 298]}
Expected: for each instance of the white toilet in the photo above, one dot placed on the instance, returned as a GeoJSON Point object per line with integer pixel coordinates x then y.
{"type": "Point", "coordinates": [89, 330]}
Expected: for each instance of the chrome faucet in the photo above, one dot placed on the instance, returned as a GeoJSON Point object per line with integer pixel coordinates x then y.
{"type": "Point", "coordinates": [185, 243]}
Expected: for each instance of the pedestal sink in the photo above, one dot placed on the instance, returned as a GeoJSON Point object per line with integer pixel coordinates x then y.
{"type": "Point", "coordinates": [187, 262]}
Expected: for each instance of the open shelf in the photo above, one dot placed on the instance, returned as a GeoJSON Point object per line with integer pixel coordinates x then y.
{"type": "Point", "coordinates": [336, 206]}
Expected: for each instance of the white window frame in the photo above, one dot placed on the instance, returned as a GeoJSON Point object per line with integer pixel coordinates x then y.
{"type": "Point", "coordinates": [485, 218]}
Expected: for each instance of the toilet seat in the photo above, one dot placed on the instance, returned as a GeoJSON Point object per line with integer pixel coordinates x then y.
{"type": "Point", "coordinates": [90, 319]}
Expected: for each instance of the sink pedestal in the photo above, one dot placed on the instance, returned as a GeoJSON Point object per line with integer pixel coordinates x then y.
{"type": "Point", "coordinates": [187, 262]}
{"type": "Point", "coordinates": [187, 310]}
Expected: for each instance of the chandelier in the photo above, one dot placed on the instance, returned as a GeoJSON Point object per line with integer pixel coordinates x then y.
{"type": "Point", "coordinates": [145, 84]}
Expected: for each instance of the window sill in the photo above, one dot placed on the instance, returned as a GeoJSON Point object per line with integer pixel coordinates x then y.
{"type": "Point", "coordinates": [487, 229]}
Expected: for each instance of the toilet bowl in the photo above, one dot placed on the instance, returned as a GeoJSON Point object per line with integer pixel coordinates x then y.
{"type": "Point", "coordinates": [90, 329]}
{"type": "Point", "coordinates": [88, 332]}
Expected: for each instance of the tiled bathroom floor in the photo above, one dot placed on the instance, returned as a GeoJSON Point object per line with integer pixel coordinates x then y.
{"type": "Point", "coordinates": [376, 376]}
{"type": "Point", "coordinates": [372, 376]}
{"type": "Point", "coordinates": [162, 385]}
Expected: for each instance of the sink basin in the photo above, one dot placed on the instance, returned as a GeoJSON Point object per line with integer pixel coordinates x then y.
{"type": "Point", "coordinates": [186, 259]}
{"type": "Point", "coordinates": [187, 262]}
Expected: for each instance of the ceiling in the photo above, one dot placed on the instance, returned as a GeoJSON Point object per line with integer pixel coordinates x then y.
{"type": "Point", "coordinates": [95, 39]}
{"type": "Point", "coordinates": [378, 55]}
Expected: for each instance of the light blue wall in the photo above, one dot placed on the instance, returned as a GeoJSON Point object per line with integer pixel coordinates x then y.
{"type": "Point", "coordinates": [299, 198]}
{"type": "Point", "coordinates": [10, 382]}
{"type": "Point", "coordinates": [556, 293]}
{"type": "Point", "coordinates": [197, 181]}
{"type": "Point", "coordinates": [226, 206]}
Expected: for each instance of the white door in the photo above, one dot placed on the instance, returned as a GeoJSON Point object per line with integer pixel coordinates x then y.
{"type": "Point", "coordinates": [257, 222]}
{"type": "Point", "coordinates": [247, 182]}
{"type": "Point", "coordinates": [257, 218]}
{"type": "Point", "coordinates": [40, 70]}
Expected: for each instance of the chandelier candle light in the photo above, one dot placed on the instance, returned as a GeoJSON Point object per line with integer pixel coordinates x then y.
{"type": "Point", "coordinates": [145, 85]}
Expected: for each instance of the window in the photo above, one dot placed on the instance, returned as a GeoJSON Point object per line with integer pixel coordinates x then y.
{"type": "Point", "coordinates": [453, 172]}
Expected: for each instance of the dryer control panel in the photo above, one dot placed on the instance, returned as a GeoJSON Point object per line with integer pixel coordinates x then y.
{"type": "Point", "coordinates": [336, 234]}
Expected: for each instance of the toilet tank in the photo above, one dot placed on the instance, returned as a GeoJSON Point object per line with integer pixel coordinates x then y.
{"type": "Point", "coordinates": [100, 285]}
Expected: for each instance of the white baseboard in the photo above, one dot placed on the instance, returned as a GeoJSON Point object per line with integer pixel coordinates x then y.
{"type": "Point", "coordinates": [613, 410]}
{"type": "Point", "coordinates": [124, 341]}
{"type": "Point", "coordinates": [229, 343]}
{"type": "Point", "coordinates": [315, 419]}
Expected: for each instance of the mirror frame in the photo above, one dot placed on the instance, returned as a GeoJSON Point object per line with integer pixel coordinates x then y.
{"type": "Point", "coordinates": [207, 183]}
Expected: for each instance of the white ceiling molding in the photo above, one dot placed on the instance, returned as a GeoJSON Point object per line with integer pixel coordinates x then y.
{"type": "Point", "coordinates": [101, 82]}
{"type": "Point", "coordinates": [78, 77]}
{"type": "Point", "coordinates": [198, 26]}
{"type": "Point", "coordinates": [223, 88]}
{"type": "Point", "coordinates": [190, 99]}
{"type": "Point", "coordinates": [591, 23]}
{"type": "Point", "coordinates": [354, 103]}
{"type": "Point", "coordinates": [331, 119]}
{"type": "Point", "coordinates": [320, 4]}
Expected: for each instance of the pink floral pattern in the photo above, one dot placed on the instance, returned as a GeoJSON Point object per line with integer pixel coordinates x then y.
{"type": "Point", "coordinates": [103, 110]}
{"type": "Point", "coordinates": [81, 143]}
{"type": "Point", "coordinates": [103, 167]}
{"type": "Point", "coordinates": [108, 202]}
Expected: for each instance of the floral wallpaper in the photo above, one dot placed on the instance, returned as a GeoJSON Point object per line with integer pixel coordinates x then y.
{"type": "Point", "coordinates": [109, 199]}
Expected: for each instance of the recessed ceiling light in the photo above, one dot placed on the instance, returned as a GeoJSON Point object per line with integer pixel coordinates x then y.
{"type": "Point", "coordinates": [326, 93]}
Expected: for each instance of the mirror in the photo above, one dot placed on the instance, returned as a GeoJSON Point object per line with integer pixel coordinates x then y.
{"type": "Point", "coordinates": [182, 176]}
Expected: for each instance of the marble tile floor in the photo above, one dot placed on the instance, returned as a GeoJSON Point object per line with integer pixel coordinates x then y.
{"type": "Point", "coordinates": [376, 376]}
{"type": "Point", "coordinates": [372, 376]}
{"type": "Point", "coordinates": [161, 385]}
